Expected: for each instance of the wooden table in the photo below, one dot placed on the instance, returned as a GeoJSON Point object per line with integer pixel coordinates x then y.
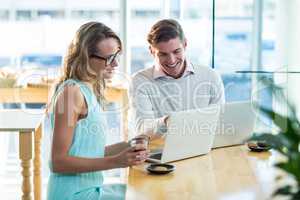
{"type": "Point", "coordinates": [231, 173]}
{"type": "Point", "coordinates": [39, 94]}
{"type": "Point", "coordinates": [28, 124]}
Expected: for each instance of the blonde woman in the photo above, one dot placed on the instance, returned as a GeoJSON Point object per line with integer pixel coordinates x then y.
{"type": "Point", "coordinates": [79, 154]}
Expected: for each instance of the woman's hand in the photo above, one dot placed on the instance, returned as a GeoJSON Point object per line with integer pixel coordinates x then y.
{"type": "Point", "coordinates": [131, 156]}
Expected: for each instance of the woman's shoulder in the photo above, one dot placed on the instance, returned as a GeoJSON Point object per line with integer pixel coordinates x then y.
{"type": "Point", "coordinates": [71, 95]}
{"type": "Point", "coordinates": [72, 88]}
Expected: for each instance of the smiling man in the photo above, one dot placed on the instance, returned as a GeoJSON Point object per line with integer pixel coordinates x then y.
{"type": "Point", "coordinates": [172, 84]}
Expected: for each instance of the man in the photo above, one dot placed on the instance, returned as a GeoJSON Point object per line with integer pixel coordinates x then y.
{"type": "Point", "coordinates": [172, 84]}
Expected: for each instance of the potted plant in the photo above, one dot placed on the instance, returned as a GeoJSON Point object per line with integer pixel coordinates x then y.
{"type": "Point", "coordinates": [286, 141]}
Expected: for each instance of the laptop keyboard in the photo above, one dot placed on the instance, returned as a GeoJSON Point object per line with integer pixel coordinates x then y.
{"type": "Point", "coordinates": [156, 156]}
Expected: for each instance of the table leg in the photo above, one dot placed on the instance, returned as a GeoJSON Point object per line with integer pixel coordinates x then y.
{"type": "Point", "coordinates": [37, 163]}
{"type": "Point", "coordinates": [25, 152]}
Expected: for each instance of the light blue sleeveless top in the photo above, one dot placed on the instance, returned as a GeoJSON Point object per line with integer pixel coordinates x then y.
{"type": "Point", "coordinates": [88, 142]}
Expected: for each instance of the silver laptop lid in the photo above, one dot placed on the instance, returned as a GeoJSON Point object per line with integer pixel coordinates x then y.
{"type": "Point", "coordinates": [190, 133]}
{"type": "Point", "coordinates": [236, 124]}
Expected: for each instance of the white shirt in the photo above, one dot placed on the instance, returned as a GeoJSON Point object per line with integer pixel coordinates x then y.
{"type": "Point", "coordinates": [154, 95]}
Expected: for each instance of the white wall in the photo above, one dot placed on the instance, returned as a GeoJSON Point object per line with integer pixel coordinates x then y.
{"type": "Point", "coordinates": [288, 33]}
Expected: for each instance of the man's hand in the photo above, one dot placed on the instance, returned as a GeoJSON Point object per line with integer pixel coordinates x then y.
{"type": "Point", "coordinates": [166, 120]}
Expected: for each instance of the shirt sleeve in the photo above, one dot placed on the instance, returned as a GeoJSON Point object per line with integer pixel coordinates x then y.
{"type": "Point", "coordinates": [217, 90]}
{"type": "Point", "coordinates": [141, 109]}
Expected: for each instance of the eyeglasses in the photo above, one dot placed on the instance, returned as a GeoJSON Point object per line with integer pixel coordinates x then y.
{"type": "Point", "coordinates": [110, 59]}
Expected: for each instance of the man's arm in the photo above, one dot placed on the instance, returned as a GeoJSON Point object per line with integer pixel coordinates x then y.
{"type": "Point", "coordinates": [217, 90]}
{"type": "Point", "coordinates": [141, 108]}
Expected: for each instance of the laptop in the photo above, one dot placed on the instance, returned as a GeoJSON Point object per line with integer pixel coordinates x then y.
{"type": "Point", "coordinates": [235, 125]}
{"type": "Point", "coordinates": [190, 133]}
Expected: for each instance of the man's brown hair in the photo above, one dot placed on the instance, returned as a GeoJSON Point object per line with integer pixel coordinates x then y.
{"type": "Point", "coordinates": [165, 30]}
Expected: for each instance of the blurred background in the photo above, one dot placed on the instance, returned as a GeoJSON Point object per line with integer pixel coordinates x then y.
{"type": "Point", "coordinates": [242, 39]}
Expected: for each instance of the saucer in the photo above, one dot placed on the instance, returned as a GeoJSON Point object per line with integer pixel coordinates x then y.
{"type": "Point", "coordinates": [258, 146]}
{"type": "Point", "coordinates": [158, 168]}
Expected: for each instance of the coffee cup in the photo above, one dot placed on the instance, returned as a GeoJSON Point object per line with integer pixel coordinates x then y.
{"type": "Point", "coordinates": [139, 143]}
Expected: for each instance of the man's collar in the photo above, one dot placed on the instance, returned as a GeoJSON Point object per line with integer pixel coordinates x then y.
{"type": "Point", "coordinates": [159, 73]}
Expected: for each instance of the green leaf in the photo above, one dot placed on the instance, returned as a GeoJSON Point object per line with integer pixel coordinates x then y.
{"type": "Point", "coordinates": [289, 167]}
{"type": "Point", "coordinates": [286, 141]}
{"type": "Point", "coordinates": [278, 92]}
{"type": "Point", "coordinates": [296, 196]}
{"type": "Point", "coordinates": [286, 190]}
{"type": "Point", "coordinates": [286, 126]}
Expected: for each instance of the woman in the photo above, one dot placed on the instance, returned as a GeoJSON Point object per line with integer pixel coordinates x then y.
{"type": "Point", "coordinates": [79, 154]}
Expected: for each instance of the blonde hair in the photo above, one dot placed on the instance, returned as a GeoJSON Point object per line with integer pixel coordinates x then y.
{"type": "Point", "coordinates": [76, 62]}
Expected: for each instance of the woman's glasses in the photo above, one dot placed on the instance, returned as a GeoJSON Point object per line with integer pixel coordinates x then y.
{"type": "Point", "coordinates": [110, 59]}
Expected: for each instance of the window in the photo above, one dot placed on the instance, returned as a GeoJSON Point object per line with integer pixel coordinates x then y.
{"type": "Point", "coordinates": [4, 15]}
{"type": "Point", "coordinates": [269, 49]}
{"type": "Point", "coordinates": [52, 14]}
{"type": "Point", "coordinates": [143, 16]}
{"type": "Point", "coordinates": [233, 34]}
{"type": "Point", "coordinates": [197, 26]}
{"type": "Point", "coordinates": [268, 59]}
{"type": "Point", "coordinates": [199, 39]}
{"type": "Point", "coordinates": [145, 13]}
{"type": "Point", "coordinates": [197, 9]}
{"type": "Point", "coordinates": [24, 15]}
{"type": "Point", "coordinates": [175, 9]}
{"type": "Point", "coordinates": [4, 61]}
{"type": "Point", "coordinates": [41, 60]}
{"type": "Point", "coordinates": [94, 14]}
